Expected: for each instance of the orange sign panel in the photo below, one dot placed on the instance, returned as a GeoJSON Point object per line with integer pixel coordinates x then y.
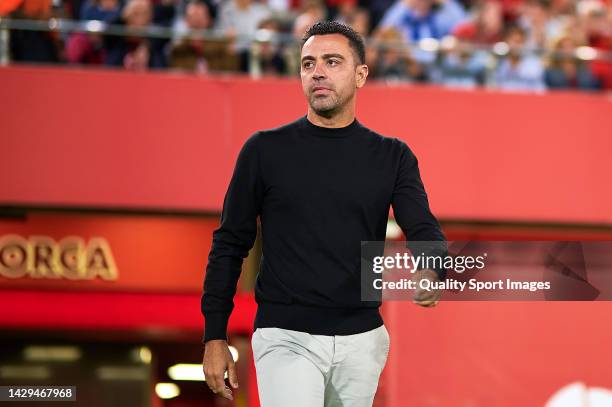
{"type": "Point", "coordinates": [43, 257]}
{"type": "Point", "coordinates": [69, 251]}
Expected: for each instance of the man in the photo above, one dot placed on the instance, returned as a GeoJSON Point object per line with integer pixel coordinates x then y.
{"type": "Point", "coordinates": [240, 19]}
{"type": "Point", "coordinates": [520, 69]}
{"type": "Point", "coordinates": [320, 185]}
{"type": "Point", "coordinates": [419, 19]}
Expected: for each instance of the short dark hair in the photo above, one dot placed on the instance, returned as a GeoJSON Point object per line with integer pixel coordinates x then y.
{"type": "Point", "coordinates": [334, 27]}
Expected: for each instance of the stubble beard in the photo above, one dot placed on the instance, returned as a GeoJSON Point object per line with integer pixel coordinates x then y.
{"type": "Point", "coordinates": [326, 106]}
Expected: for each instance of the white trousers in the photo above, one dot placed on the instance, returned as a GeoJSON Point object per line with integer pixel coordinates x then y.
{"type": "Point", "coordinates": [297, 369]}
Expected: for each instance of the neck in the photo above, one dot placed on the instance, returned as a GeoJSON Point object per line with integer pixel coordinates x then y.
{"type": "Point", "coordinates": [339, 119]}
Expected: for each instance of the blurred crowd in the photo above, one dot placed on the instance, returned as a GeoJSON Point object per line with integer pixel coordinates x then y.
{"type": "Point", "coordinates": [509, 44]}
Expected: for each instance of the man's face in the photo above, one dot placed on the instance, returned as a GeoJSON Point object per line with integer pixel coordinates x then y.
{"type": "Point", "coordinates": [515, 41]}
{"type": "Point", "coordinates": [138, 13]}
{"type": "Point", "coordinates": [197, 17]}
{"type": "Point", "coordinates": [330, 75]}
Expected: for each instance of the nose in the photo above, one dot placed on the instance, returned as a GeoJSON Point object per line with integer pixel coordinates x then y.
{"type": "Point", "coordinates": [319, 71]}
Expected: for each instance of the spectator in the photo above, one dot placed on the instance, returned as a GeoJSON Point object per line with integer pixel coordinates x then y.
{"type": "Point", "coordinates": [280, 6]}
{"type": "Point", "coordinates": [88, 48]}
{"type": "Point", "coordinates": [486, 27]}
{"type": "Point", "coordinates": [129, 51]}
{"type": "Point", "coordinates": [377, 10]}
{"type": "Point", "coordinates": [138, 58]}
{"type": "Point", "coordinates": [197, 16]}
{"type": "Point", "coordinates": [460, 67]}
{"type": "Point", "coordinates": [391, 59]}
{"type": "Point", "coordinates": [312, 11]}
{"type": "Point", "coordinates": [103, 10]}
{"type": "Point", "coordinates": [564, 12]}
{"type": "Point", "coordinates": [520, 69]}
{"type": "Point", "coordinates": [596, 20]}
{"type": "Point", "coordinates": [355, 17]}
{"type": "Point", "coordinates": [189, 52]}
{"type": "Point", "coordinates": [85, 48]}
{"type": "Point", "coordinates": [565, 71]}
{"type": "Point", "coordinates": [464, 64]}
{"type": "Point", "coordinates": [270, 54]}
{"type": "Point", "coordinates": [34, 46]}
{"type": "Point", "coordinates": [238, 20]}
{"type": "Point", "coordinates": [418, 19]}
{"type": "Point", "coordinates": [539, 24]}
{"type": "Point", "coordinates": [421, 19]}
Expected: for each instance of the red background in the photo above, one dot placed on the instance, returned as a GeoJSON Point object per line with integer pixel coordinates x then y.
{"type": "Point", "coordinates": [152, 141]}
{"type": "Point", "coordinates": [84, 138]}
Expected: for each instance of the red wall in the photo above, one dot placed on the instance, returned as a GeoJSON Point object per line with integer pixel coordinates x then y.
{"type": "Point", "coordinates": [78, 138]}
{"type": "Point", "coordinates": [99, 138]}
{"type": "Point", "coordinates": [494, 353]}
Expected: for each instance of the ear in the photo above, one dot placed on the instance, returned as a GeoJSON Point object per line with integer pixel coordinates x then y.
{"type": "Point", "coordinates": [361, 73]}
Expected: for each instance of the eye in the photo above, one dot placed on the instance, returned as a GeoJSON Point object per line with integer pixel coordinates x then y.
{"type": "Point", "coordinates": [333, 62]}
{"type": "Point", "coordinates": [307, 64]}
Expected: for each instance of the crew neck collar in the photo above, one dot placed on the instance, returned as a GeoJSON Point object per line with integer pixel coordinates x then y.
{"type": "Point", "coordinates": [329, 131]}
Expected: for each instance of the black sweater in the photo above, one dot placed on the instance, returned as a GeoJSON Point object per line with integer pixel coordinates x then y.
{"type": "Point", "coordinates": [318, 193]}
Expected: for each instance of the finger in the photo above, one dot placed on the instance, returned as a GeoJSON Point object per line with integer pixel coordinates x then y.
{"type": "Point", "coordinates": [212, 380]}
{"type": "Point", "coordinates": [211, 385]}
{"type": "Point", "coordinates": [208, 379]}
{"type": "Point", "coordinates": [220, 384]}
{"type": "Point", "coordinates": [233, 377]}
{"type": "Point", "coordinates": [227, 393]}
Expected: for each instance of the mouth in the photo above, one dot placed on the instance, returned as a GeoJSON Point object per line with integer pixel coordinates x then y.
{"type": "Point", "coordinates": [320, 90]}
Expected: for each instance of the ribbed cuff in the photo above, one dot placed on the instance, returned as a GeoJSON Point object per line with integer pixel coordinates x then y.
{"type": "Point", "coordinates": [215, 326]}
{"type": "Point", "coordinates": [438, 248]}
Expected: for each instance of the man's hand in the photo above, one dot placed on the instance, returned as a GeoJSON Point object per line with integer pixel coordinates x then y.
{"type": "Point", "coordinates": [217, 360]}
{"type": "Point", "coordinates": [423, 297]}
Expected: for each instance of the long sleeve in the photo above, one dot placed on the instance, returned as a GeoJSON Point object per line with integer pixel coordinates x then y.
{"type": "Point", "coordinates": [412, 213]}
{"type": "Point", "coordinates": [232, 241]}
